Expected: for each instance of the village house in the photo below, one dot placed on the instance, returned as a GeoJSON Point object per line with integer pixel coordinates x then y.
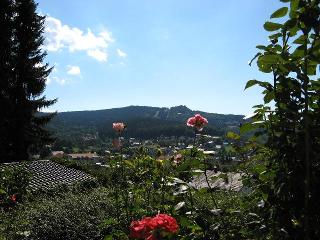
{"type": "Point", "coordinates": [57, 154]}
{"type": "Point", "coordinates": [91, 158]}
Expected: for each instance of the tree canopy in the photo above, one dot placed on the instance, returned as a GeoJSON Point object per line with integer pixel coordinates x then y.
{"type": "Point", "coordinates": [23, 80]}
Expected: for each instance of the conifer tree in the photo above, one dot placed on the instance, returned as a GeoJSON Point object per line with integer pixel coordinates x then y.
{"type": "Point", "coordinates": [26, 84]}
{"type": "Point", "coordinates": [6, 44]}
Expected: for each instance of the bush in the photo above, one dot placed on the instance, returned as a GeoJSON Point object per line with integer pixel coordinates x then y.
{"type": "Point", "coordinates": [68, 216]}
{"type": "Point", "coordinates": [13, 184]}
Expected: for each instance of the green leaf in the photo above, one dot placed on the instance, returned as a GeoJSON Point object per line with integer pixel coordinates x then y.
{"type": "Point", "coordinates": [280, 13]}
{"type": "Point", "coordinates": [294, 5]}
{"type": "Point", "coordinates": [301, 40]}
{"type": "Point", "coordinates": [268, 97]}
{"type": "Point", "coordinates": [275, 36]}
{"type": "Point", "coordinates": [293, 31]}
{"type": "Point", "coordinates": [264, 67]}
{"type": "Point", "coordinates": [246, 127]}
{"type": "Point", "coordinates": [185, 222]}
{"type": "Point", "coordinates": [271, 26]}
{"type": "Point", "coordinates": [259, 168]}
{"type": "Point", "coordinates": [298, 52]}
{"type": "Point", "coordinates": [290, 24]}
{"type": "Point", "coordinates": [233, 136]}
{"type": "Point", "coordinates": [251, 83]}
{"type": "Point", "coordinates": [312, 69]}
{"type": "Point", "coordinates": [261, 47]}
{"type": "Point", "coordinates": [270, 59]}
{"type": "Point", "coordinates": [129, 163]}
{"type": "Point", "coordinates": [265, 196]}
{"type": "Point", "coordinates": [257, 55]}
{"type": "Point", "coordinates": [258, 106]}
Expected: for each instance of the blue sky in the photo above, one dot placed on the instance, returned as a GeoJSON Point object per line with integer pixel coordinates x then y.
{"type": "Point", "coordinates": [154, 53]}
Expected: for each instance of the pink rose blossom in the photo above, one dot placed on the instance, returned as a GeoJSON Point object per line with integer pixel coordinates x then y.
{"type": "Point", "coordinates": [197, 122]}
{"type": "Point", "coordinates": [178, 158]}
{"type": "Point", "coordinates": [119, 126]}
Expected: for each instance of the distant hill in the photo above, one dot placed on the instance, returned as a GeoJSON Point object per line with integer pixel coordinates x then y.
{"type": "Point", "coordinates": [143, 122]}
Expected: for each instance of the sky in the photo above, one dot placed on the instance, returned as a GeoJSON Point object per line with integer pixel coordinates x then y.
{"type": "Point", "coordinates": [162, 53]}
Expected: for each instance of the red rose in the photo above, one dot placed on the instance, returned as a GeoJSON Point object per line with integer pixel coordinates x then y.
{"type": "Point", "coordinates": [151, 237]}
{"type": "Point", "coordinates": [141, 229]}
{"type": "Point", "coordinates": [13, 197]}
{"type": "Point", "coordinates": [137, 230]}
{"type": "Point", "coordinates": [145, 228]}
{"type": "Point", "coordinates": [166, 222]}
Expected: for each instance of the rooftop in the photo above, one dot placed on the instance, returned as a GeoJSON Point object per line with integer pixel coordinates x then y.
{"type": "Point", "coordinates": [46, 174]}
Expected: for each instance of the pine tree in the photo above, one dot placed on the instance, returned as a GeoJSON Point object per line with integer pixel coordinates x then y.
{"type": "Point", "coordinates": [6, 44]}
{"type": "Point", "coordinates": [26, 84]}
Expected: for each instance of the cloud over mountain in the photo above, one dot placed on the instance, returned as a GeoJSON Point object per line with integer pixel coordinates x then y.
{"type": "Point", "coordinates": [61, 36]}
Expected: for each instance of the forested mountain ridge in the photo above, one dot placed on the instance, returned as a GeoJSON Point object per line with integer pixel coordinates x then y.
{"type": "Point", "coordinates": [142, 121]}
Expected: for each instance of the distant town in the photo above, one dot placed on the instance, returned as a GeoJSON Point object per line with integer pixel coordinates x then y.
{"type": "Point", "coordinates": [217, 149]}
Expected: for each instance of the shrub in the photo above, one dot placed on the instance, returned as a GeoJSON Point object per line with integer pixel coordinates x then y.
{"type": "Point", "coordinates": [68, 216]}
{"type": "Point", "coordinates": [13, 184]}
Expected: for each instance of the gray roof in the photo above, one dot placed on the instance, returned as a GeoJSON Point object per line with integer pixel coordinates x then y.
{"type": "Point", "coordinates": [46, 174]}
{"type": "Point", "coordinates": [216, 182]}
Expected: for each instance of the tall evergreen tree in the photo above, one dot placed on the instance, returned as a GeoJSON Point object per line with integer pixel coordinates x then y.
{"type": "Point", "coordinates": [26, 84]}
{"type": "Point", "coordinates": [6, 44]}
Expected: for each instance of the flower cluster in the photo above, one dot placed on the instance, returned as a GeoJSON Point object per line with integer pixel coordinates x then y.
{"type": "Point", "coordinates": [197, 122]}
{"type": "Point", "coordinates": [119, 126]}
{"type": "Point", "coordinates": [149, 227]}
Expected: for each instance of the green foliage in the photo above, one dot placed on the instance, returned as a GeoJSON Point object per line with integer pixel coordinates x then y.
{"type": "Point", "coordinates": [144, 186]}
{"type": "Point", "coordinates": [233, 136]}
{"type": "Point", "coordinates": [66, 216]}
{"type": "Point", "coordinates": [13, 185]}
{"type": "Point", "coordinates": [288, 177]}
{"type": "Point", "coordinates": [280, 13]}
{"type": "Point", "coordinates": [134, 188]}
{"type": "Point", "coordinates": [271, 26]}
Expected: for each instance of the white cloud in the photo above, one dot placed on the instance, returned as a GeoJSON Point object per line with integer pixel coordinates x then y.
{"type": "Point", "coordinates": [73, 70]}
{"type": "Point", "coordinates": [48, 81]}
{"type": "Point", "coordinates": [60, 36]}
{"type": "Point", "coordinates": [99, 55]}
{"type": "Point", "coordinates": [121, 53]}
{"type": "Point", "coordinates": [60, 81]}
{"type": "Point", "coordinates": [107, 36]}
